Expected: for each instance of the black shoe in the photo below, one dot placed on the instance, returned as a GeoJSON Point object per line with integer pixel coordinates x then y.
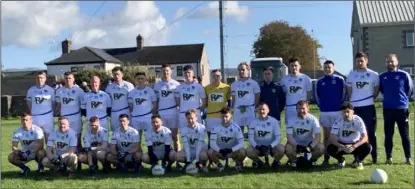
{"type": "Point", "coordinates": [25, 171]}
{"type": "Point", "coordinates": [275, 164]}
{"type": "Point", "coordinates": [374, 162]}
{"type": "Point", "coordinates": [79, 167]}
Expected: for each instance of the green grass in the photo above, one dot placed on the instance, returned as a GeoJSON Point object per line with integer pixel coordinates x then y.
{"type": "Point", "coordinates": [400, 175]}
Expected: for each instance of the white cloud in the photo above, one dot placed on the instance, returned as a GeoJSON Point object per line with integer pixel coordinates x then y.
{"type": "Point", "coordinates": [232, 9]}
{"type": "Point", "coordinates": [180, 12]}
{"type": "Point", "coordinates": [32, 24]}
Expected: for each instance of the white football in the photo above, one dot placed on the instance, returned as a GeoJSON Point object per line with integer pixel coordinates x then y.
{"type": "Point", "coordinates": [379, 176]}
{"type": "Point", "coordinates": [192, 169]}
{"type": "Point", "coordinates": [157, 170]}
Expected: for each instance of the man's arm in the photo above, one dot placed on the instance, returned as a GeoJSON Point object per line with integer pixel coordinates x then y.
{"type": "Point", "coordinates": [376, 89]}
{"type": "Point", "coordinates": [213, 137]}
{"type": "Point", "coordinates": [200, 142]}
{"type": "Point", "coordinates": [281, 98]}
{"type": "Point", "coordinates": [257, 92]}
{"type": "Point", "coordinates": [155, 102]}
{"type": "Point", "coordinates": [316, 132]}
{"type": "Point", "coordinates": [29, 101]}
{"type": "Point", "coordinates": [316, 140]}
{"type": "Point", "coordinates": [334, 140]}
{"type": "Point", "coordinates": [38, 144]}
{"type": "Point", "coordinates": [240, 139]}
{"type": "Point", "coordinates": [202, 94]}
{"type": "Point", "coordinates": [316, 93]}
{"type": "Point", "coordinates": [15, 146]}
{"type": "Point", "coordinates": [186, 146]}
{"type": "Point", "coordinates": [251, 135]}
{"type": "Point", "coordinates": [277, 135]}
{"type": "Point", "coordinates": [362, 140]}
{"type": "Point", "coordinates": [349, 93]}
{"type": "Point", "coordinates": [49, 153]}
{"type": "Point", "coordinates": [290, 138]}
{"type": "Point", "coordinates": [103, 146]}
{"type": "Point", "coordinates": [135, 148]}
{"type": "Point", "coordinates": [113, 149]}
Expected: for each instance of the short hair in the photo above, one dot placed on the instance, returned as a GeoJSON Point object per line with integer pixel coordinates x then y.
{"type": "Point", "coordinates": [165, 66]}
{"type": "Point", "coordinates": [191, 111]}
{"type": "Point", "coordinates": [270, 68]}
{"type": "Point", "coordinates": [294, 59]}
{"type": "Point", "coordinates": [225, 110]}
{"type": "Point", "coordinates": [347, 106]}
{"type": "Point", "coordinates": [41, 73]}
{"type": "Point", "coordinates": [68, 73]}
{"type": "Point", "coordinates": [302, 102]}
{"type": "Point", "coordinates": [25, 114]}
{"type": "Point", "coordinates": [263, 103]}
{"type": "Point", "coordinates": [117, 68]}
{"type": "Point", "coordinates": [329, 62]}
{"type": "Point", "coordinates": [215, 70]}
{"type": "Point", "coordinates": [140, 73]}
{"type": "Point", "coordinates": [96, 77]}
{"type": "Point", "coordinates": [244, 64]}
{"type": "Point", "coordinates": [94, 119]}
{"type": "Point", "coordinates": [188, 67]}
{"type": "Point", "coordinates": [199, 79]}
{"type": "Point", "coordinates": [392, 55]}
{"type": "Point", "coordinates": [123, 116]}
{"type": "Point", "coordinates": [62, 118]}
{"type": "Point", "coordinates": [156, 116]}
{"type": "Point", "coordinates": [360, 55]}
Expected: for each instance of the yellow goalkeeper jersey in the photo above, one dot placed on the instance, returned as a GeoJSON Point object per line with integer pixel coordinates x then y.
{"type": "Point", "coordinates": [217, 98]}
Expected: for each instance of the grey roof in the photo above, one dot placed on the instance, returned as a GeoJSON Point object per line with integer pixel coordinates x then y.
{"type": "Point", "coordinates": [84, 55]}
{"type": "Point", "coordinates": [372, 13]}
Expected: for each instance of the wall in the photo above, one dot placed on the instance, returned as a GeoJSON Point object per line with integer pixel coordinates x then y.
{"type": "Point", "coordinates": [205, 72]}
{"type": "Point", "coordinates": [19, 85]}
{"type": "Point", "coordinates": [60, 69]}
{"type": "Point", "coordinates": [110, 66]}
{"type": "Point", "coordinates": [174, 68]}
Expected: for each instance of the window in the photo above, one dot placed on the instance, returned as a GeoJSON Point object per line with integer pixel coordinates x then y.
{"type": "Point", "coordinates": [158, 72]}
{"type": "Point", "coordinates": [409, 70]}
{"type": "Point", "coordinates": [97, 67]}
{"type": "Point", "coordinates": [409, 39]}
{"type": "Point", "coordinates": [77, 68]}
{"type": "Point", "coordinates": [179, 71]}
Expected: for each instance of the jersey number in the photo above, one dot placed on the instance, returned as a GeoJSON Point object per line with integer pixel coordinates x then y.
{"type": "Point", "coordinates": [61, 145]}
{"type": "Point", "coordinates": [67, 100]}
{"type": "Point", "coordinates": [263, 133]}
{"type": "Point", "coordinates": [360, 84]}
{"type": "Point", "coordinates": [95, 104]}
{"type": "Point", "coordinates": [301, 131]}
{"type": "Point", "coordinates": [39, 100]}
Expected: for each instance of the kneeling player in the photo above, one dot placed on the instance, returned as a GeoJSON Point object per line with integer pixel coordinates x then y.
{"type": "Point", "coordinates": [158, 140]}
{"type": "Point", "coordinates": [95, 146]}
{"type": "Point", "coordinates": [125, 151]}
{"type": "Point", "coordinates": [303, 135]}
{"type": "Point", "coordinates": [227, 140]}
{"type": "Point", "coordinates": [60, 153]}
{"type": "Point", "coordinates": [193, 137]}
{"type": "Point", "coordinates": [349, 137]}
{"type": "Point", "coordinates": [31, 140]}
{"type": "Point", "coordinates": [264, 138]}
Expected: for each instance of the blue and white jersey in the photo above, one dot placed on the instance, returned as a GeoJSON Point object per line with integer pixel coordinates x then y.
{"type": "Point", "coordinates": [158, 140]}
{"type": "Point", "coordinates": [164, 91]}
{"type": "Point", "coordinates": [349, 132]}
{"type": "Point", "coordinates": [363, 87]}
{"type": "Point", "coordinates": [70, 100]}
{"type": "Point", "coordinates": [96, 104]}
{"type": "Point", "coordinates": [230, 137]}
{"type": "Point", "coordinates": [118, 94]}
{"type": "Point", "coordinates": [27, 138]}
{"type": "Point", "coordinates": [330, 93]}
{"type": "Point", "coordinates": [124, 139]}
{"type": "Point", "coordinates": [62, 141]}
{"type": "Point", "coordinates": [41, 100]}
{"type": "Point", "coordinates": [295, 88]}
{"type": "Point", "coordinates": [397, 88]}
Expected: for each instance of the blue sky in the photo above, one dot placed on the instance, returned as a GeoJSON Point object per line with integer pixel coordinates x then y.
{"type": "Point", "coordinates": [330, 21]}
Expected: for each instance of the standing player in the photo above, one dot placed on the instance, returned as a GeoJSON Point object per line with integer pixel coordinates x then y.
{"type": "Point", "coordinates": [348, 136]}
{"type": "Point", "coordinates": [396, 86]}
{"type": "Point", "coordinates": [265, 138]}
{"type": "Point", "coordinates": [125, 149]}
{"type": "Point", "coordinates": [330, 93]}
{"type": "Point", "coordinates": [95, 146]}
{"type": "Point", "coordinates": [227, 140]}
{"type": "Point", "coordinates": [68, 104]}
{"type": "Point", "coordinates": [118, 91]}
{"type": "Point", "coordinates": [60, 153]}
{"type": "Point", "coordinates": [193, 137]}
{"type": "Point", "coordinates": [96, 103]}
{"type": "Point", "coordinates": [30, 138]}
{"type": "Point", "coordinates": [303, 135]}
{"type": "Point", "coordinates": [41, 103]}
{"type": "Point", "coordinates": [142, 102]}
{"type": "Point", "coordinates": [245, 97]}
{"type": "Point", "coordinates": [297, 86]}
{"type": "Point", "coordinates": [362, 89]}
{"type": "Point", "coordinates": [167, 107]}
{"type": "Point", "coordinates": [272, 94]}
{"type": "Point", "coordinates": [158, 141]}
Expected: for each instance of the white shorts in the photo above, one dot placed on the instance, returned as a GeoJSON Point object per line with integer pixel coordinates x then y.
{"type": "Point", "coordinates": [45, 122]}
{"type": "Point", "coordinates": [183, 120]}
{"type": "Point", "coordinates": [211, 122]}
{"type": "Point", "coordinates": [244, 119]}
{"type": "Point", "coordinates": [141, 123]}
{"type": "Point", "coordinates": [327, 119]}
{"type": "Point", "coordinates": [170, 121]}
{"type": "Point", "coordinates": [115, 118]}
{"type": "Point", "coordinates": [76, 125]}
{"type": "Point", "coordinates": [159, 154]}
{"type": "Point", "coordinates": [290, 113]}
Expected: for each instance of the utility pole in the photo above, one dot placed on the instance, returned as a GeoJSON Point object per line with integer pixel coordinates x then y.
{"type": "Point", "coordinates": [314, 55]}
{"type": "Point", "coordinates": [222, 61]}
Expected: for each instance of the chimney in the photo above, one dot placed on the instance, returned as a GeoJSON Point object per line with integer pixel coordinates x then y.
{"type": "Point", "coordinates": [66, 46]}
{"type": "Point", "coordinates": [140, 42]}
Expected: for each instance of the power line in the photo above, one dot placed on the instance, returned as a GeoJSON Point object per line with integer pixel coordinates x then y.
{"type": "Point", "coordinates": [277, 7]}
{"type": "Point", "coordinates": [90, 19]}
{"type": "Point", "coordinates": [177, 19]}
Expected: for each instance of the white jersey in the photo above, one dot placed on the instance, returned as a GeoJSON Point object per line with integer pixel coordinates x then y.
{"type": "Point", "coordinates": [349, 131]}
{"type": "Point", "coordinates": [194, 137]}
{"type": "Point", "coordinates": [264, 132]}
{"type": "Point", "coordinates": [244, 92]}
{"type": "Point", "coordinates": [230, 137]}
{"type": "Point", "coordinates": [165, 95]}
{"type": "Point", "coordinates": [41, 99]}
{"type": "Point", "coordinates": [142, 101]}
{"type": "Point", "coordinates": [303, 130]}
{"type": "Point", "coordinates": [124, 139]}
{"type": "Point", "coordinates": [363, 86]}
{"type": "Point", "coordinates": [190, 96]}
{"type": "Point", "coordinates": [70, 100]}
{"type": "Point", "coordinates": [118, 94]}
{"type": "Point", "coordinates": [158, 139]}
{"type": "Point", "coordinates": [296, 88]}
{"type": "Point", "coordinates": [62, 141]}
{"type": "Point", "coordinates": [94, 140]}
{"type": "Point", "coordinates": [96, 104]}
{"type": "Point", "coordinates": [27, 138]}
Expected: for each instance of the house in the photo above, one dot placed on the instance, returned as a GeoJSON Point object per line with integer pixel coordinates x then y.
{"type": "Point", "coordinates": [382, 27]}
{"type": "Point", "coordinates": [153, 57]}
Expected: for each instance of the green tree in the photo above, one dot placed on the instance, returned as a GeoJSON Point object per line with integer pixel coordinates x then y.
{"type": "Point", "coordinates": [279, 39]}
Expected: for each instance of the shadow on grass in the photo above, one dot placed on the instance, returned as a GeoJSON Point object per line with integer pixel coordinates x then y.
{"type": "Point", "coordinates": [361, 182]}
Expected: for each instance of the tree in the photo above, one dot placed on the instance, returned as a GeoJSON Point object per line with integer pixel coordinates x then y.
{"type": "Point", "coordinates": [279, 39]}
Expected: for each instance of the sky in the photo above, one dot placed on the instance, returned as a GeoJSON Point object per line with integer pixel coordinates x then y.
{"type": "Point", "coordinates": [32, 32]}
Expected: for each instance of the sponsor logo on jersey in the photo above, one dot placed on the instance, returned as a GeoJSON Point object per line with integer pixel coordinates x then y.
{"type": "Point", "coordinates": [225, 139]}
{"type": "Point", "coordinates": [294, 89]}
{"type": "Point", "coordinates": [61, 145]}
{"type": "Point", "coordinates": [27, 142]}
{"type": "Point", "coordinates": [165, 93]}
{"type": "Point", "coordinates": [301, 131]}
{"type": "Point", "coordinates": [125, 144]}
{"type": "Point", "coordinates": [263, 133]}
{"type": "Point", "coordinates": [347, 133]}
{"type": "Point", "coordinates": [241, 94]}
{"type": "Point", "coordinates": [187, 96]}
{"type": "Point", "coordinates": [39, 100]}
{"type": "Point", "coordinates": [361, 84]}
{"type": "Point", "coordinates": [215, 97]}
{"type": "Point", "coordinates": [118, 96]}
{"type": "Point", "coordinates": [140, 101]}
{"type": "Point", "coordinates": [67, 100]}
{"type": "Point", "coordinates": [95, 104]}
